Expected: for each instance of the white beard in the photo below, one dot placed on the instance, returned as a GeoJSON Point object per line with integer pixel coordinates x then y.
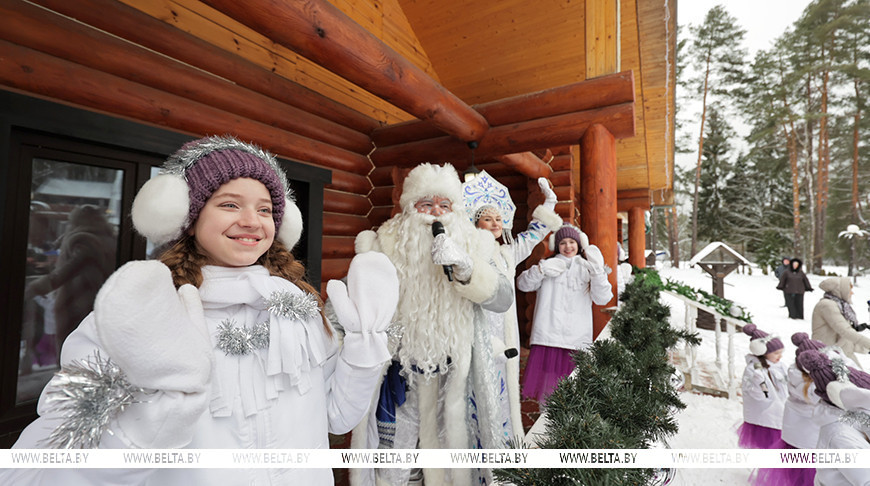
{"type": "Point", "coordinates": [437, 322]}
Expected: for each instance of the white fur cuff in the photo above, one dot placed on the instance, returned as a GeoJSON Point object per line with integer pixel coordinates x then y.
{"type": "Point", "coordinates": [366, 241]}
{"type": "Point", "coordinates": [547, 216]}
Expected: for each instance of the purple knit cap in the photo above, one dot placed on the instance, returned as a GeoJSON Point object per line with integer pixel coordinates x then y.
{"type": "Point", "coordinates": [568, 232]}
{"type": "Point", "coordinates": [804, 343]}
{"type": "Point", "coordinates": [754, 333]}
{"type": "Point", "coordinates": [210, 162]}
{"type": "Point", "coordinates": [823, 371]}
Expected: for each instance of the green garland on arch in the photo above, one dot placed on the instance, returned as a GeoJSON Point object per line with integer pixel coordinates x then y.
{"type": "Point", "coordinates": [720, 304]}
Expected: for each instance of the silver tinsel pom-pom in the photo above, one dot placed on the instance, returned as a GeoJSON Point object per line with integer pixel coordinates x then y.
{"type": "Point", "coordinates": [838, 366]}
{"type": "Point", "coordinates": [88, 394]}
{"type": "Point", "coordinates": [239, 341]}
{"type": "Point", "coordinates": [293, 306]}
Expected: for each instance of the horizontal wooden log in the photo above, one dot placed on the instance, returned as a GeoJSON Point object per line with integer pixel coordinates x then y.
{"type": "Point", "coordinates": [624, 205]}
{"type": "Point", "coordinates": [382, 176]}
{"type": "Point", "coordinates": [632, 193]}
{"type": "Point", "coordinates": [563, 193]}
{"type": "Point", "coordinates": [332, 269]}
{"type": "Point", "coordinates": [350, 182]}
{"type": "Point", "coordinates": [325, 35]}
{"type": "Point", "coordinates": [526, 163]}
{"type": "Point", "coordinates": [379, 215]}
{"type": "Point", "coordinates": [594, 93]}
{"type": "Point", "coordinates": [131, 24]}
{"type": "Point", "coordinates": [508, 139]}
{"type": "Point", "coordinates": [345, 202]}
{"type": "Point", "coordinates": [562, 162]}
{"type": "Point", "coordinates": [335, 224]}
{"type": "Point", "coordinates": [497, 169]}
{"type": "Point", "coordinates": [559, 178]}
{"type": "Point", "coordinates": [37, 28]}
{"type": "Point", "coordinates": [38, 73]}
{"type": "Point", "coordinates": [338, 247]}
{"type": "Point", "coordinates": [382, 196]}
{"type": "Point", "coordinates": [565, 210]}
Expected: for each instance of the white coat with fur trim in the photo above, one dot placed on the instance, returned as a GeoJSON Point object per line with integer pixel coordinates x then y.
{"type": "Point", "coordinates": [563, 310]}
{"type": "Point", "coordinates": [760, 408]}
{"type": "Point", "coordinates": [838, 435]}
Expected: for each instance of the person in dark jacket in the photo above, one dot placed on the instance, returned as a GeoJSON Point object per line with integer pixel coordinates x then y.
{"type": "Point", "coordinates": [794, 283]}
{"type": "Point", "coordinates": [778, 271]}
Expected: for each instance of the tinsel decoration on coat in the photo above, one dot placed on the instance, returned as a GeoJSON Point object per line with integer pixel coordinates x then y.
{"type": "Point", "coordinates": [239, 341]}
{"type": "Point", "coordinates": [88, 394]}
{"type": "Point", "coordinates": [293, 306]}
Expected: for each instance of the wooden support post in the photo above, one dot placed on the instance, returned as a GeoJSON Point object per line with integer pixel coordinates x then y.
{"type": "Point", "coordinates": [636, 237]}
{"type": "Point", "coordinates": [598, 204]}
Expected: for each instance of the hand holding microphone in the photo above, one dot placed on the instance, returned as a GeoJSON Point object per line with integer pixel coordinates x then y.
{"type": "Point", "coordinates": [445, 252]}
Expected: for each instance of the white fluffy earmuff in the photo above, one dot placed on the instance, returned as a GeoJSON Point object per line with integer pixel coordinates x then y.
{"type": "Point", "coordinates": [758, 347]}
{"type": "Point", "coordinates": [291, 224]}
{"type": "Point", "coordinates": [161, 207]}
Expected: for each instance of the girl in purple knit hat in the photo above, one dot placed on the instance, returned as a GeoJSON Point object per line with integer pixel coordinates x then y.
{"type": "Point", "coordinates": [221, 343]}
{"type": "Point", "coordinates": [567, 285]}
{"type": "Point", "coordinates": [764, 391]}
{"type": "Point", "coordinates": [845, 411]}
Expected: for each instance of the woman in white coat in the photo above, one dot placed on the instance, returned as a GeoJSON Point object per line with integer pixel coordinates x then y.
{"type": "Point", "coordinates": [567, 285]}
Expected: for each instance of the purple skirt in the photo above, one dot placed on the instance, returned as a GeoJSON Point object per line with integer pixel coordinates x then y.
{"type": "Point", "coordinates": [783, 476]}
{"type": "Point", "coordinates": [751, 436]}
{"type": "Point", "coordinates": [545, 367]}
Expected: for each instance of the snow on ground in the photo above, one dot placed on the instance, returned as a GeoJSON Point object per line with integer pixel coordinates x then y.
{"type": "Point", "coordinates": [709, 422]}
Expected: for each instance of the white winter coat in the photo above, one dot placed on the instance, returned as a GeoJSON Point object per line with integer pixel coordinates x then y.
{"type": "Point", "coordinates": [759, 409]}
{"type": "Point", "coordinates": [245, 408]}
{"type": "Point", "coordinates": [839, 435]}
{"type": "Point", "coordinates": [563, 310]}
{"type": "Point", "coordinates": [798, 427]}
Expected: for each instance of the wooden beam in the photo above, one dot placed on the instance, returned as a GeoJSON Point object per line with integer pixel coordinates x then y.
{"type": "Point", "coordinates": [526, 163]}
{"type": "Point", "coordinates": [39, 74]}
{"type": "Point", "coordinates": [602, 37]}
{"type": "Point", "coordinates": [131, 24]}
{"type": "Point", "coordinates": [585, 95]}
{"type": "Point", "coordinates": [49, 32]}
{"type": "Point", "coordinates": [345, 202]}
{"type": "Point", "coordinates": [349, 182]}
{"type": "Point", "coordinates": [325, 35]}
{"type": "Point", "coordinates": [512, 138]}
{"type": "Point", "coordinates": [636, 237]}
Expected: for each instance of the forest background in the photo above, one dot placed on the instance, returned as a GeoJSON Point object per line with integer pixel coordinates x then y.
{"type": "Point", "coordinates": [794, 182]}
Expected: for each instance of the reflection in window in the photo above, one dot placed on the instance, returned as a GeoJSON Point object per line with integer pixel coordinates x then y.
{"type": "Point", "coordinates": [71, 250]}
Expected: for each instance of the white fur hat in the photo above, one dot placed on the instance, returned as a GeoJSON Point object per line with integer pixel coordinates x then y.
{"type": "Point", "coordinates": [168, 204]}
{"type": "Point", "coordinates": [427, 180]}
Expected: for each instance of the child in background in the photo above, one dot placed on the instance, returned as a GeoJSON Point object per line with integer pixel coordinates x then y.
{"type": "Point", "coordinates": [844, 409]}
{"type": "Point", "coordinates": [764, 391]}
{"type": "Point", "coordinates": [567, 285]}
{"type": "Point", "coordinates": [220, 343]}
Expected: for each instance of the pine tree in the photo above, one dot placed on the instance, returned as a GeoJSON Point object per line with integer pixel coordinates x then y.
{"type": "Point", "coordinates": [715, 171]}
{"type": "Point", "coordinates": [621, 395]}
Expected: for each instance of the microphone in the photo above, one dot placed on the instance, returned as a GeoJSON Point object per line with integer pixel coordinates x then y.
{"type": "Point", "coordinates": [437, 229]}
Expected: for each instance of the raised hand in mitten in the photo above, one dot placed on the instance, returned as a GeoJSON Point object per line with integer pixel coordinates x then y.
{"type": "Point", "coordinates": [549, 196]}
{"type": "Point", "coordinates": [156, 335]}
{"type": "Point", "coordinates": [553, 267]}
{"type": "Point", "coordinates": [445, 251]}
{"type": "Point", "coordinates": [595, 259]}
{"type": "Point", "coordinates": [365, 307]}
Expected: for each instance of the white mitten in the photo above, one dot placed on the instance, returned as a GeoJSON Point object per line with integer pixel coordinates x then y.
{"type": "Point", "coordinates": [553, 267]}
{"type": "Point", "coordinates": [446, 252]}
{"type": "Point", "coordinates": [549, 196]}
{"type": "Point", "coordinates": [594, 256]}
{"type": "Point", "coordinates": [365, 307]}
{"type": "Point", "coordinates": [157, 336]}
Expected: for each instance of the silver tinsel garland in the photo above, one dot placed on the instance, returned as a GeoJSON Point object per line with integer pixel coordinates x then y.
{"type": "Point", "coordinates": [857, 419]}
{"type": "Point", "coordinates": [88, 394]}
{"type": "Point", "coordinates": [293, 306]}
{"type": "Point", "coordinates": [239, 341]}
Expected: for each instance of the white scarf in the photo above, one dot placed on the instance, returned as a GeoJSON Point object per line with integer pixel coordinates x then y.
{"type": "Point", "coordinates": [295, 345]}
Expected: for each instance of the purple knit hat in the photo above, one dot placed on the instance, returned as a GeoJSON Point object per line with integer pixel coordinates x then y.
{"type": "Point", "coordinates": [804, 343]}
{"type": "Point", "coordinates": [168, 204]}
{"type": "Point", "coordinates": [761, 343]}
{"type": "Point", "coordinates": [823, 371]}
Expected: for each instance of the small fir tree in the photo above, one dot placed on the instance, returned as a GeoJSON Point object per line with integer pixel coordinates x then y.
{"type": "Point", "coordinates": [620, 397]}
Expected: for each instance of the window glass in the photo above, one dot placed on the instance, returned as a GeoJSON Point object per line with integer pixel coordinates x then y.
{"type": "Point", "coordinates": [72, 245]}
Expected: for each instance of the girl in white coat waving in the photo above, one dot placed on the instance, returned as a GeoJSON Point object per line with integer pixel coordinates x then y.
{"type": "Point", "coordinates": [567, 285]}
{"type": "Point", "coordinates": [221, 343]}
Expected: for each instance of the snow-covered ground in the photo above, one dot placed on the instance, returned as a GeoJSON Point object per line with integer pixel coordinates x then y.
{"type": "Point", "coordinates": [709, 422]}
